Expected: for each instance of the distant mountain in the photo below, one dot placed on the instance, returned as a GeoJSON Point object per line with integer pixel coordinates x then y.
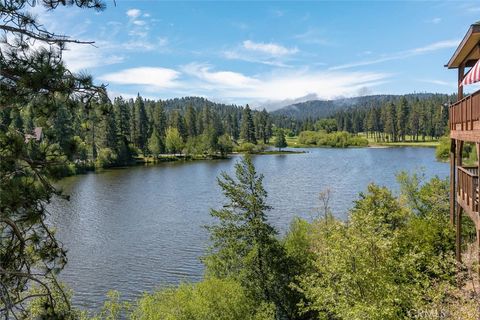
{"type": "Point", "coordinates": [324, 108]}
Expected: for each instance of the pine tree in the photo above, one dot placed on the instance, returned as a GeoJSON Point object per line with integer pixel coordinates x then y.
{"type": "Point", "coordinates": [141, 125]}
{"type": "Point", "coordinates": [160, 119]}
{"type": "Point", "coordinates": [268, 126]}
{"type": "Point", "coordinates": [30, 255]}
{"type": "Point", "coordinates": [235, 127]}
{"type": "Point", "coordinates": [62, 128]}
{"type": "Point", "coordinates": [177, 121]}
{"type": "Point", "coordinates": [247, 130]}
{"type": "Point", "coordinates": [122, 117]}
{"type": "Point", "coordinates": [280, 141]}
{"type": "Point", "coordinates": [244, 244]}
{"type": "Point", "coordinates": [414, 121]}
{"type": "Point", "coordinates": [402, 118]}
{"type": "Point", "coordinates": [191, 121]}
{"type": "Point", "coordinates": [108, 128]}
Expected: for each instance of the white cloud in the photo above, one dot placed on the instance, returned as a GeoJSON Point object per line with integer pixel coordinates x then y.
{"type": "Point", "coordinates": [155, 77]}
{"type": "Point", "coordinates": [440, 82]}
{"type": "Point", "coordinates": [436, 46]}
{"type": "Point", "coordinates": [299, 83]}
{"type": "Point", "coordinates": [402, 54]}
{"type": "Point", "coordinates": [272, 49]}
{"type": "Point", "coordinates": [139, 22]}
{"type": "Point", "coordinates": [313, 36]}
{"type": "Point", "coordinates": [134, 13]}
{"type": "Point", "coordinates": [81, 57]}
{"type": "Point", "coordinates": [222, 79]}
{"type": "Point", "coordinates": [272, 54]}
{"type": "Point", "coordinates": [239, 55]}
{"type": "Point", "coordinates": [435, 20]}
{"type": "Point", "coordinates": [227, 85]}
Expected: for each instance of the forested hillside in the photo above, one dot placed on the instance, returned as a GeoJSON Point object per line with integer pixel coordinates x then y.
{"type": "Point", "coordinates": [115, 133]}
{"type": "Point", "coordinates": [109, 134]}
{"type": "Point", "coordinates": [315, 109]}
{"type": "Point", "coordinates": [384, 118]}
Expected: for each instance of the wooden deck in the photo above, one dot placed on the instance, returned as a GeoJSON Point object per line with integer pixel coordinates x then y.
{"type": "Point", "coordinates": [468, 191]}
{"type": "Point", "coordinates": [464, 118]}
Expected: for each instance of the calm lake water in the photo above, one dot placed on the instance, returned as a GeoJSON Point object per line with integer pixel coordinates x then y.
{"type": "Point", "coordinates": [139, 228]}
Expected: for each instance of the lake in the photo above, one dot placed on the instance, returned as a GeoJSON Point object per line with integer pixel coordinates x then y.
{"type": "Point", "coordinates": [139, 228]}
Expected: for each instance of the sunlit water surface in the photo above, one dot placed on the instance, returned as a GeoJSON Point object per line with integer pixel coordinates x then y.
{"type": "Point", "coordinates": [139, 228]}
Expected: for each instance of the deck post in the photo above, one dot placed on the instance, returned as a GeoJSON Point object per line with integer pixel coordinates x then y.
{"type": "Point", "coordinates": [452, 180]}
{"type": "Point", "coordinates": [461, 73]}
{"type": "Point", "coordinates": [459, 211]}
{"type": "Point", "coordinates": [458, 234]}
{"type": "Point", "coordinates": [478, 250]}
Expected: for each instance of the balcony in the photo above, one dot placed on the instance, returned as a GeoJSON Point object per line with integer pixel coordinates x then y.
{"type": "Point", "coordinates": [464, 118]}
{"type": "Point", "coordinates": [468, 191]}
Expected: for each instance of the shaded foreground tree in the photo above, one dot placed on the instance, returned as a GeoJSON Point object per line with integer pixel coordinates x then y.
{"type": "Point", "coordinates": [33, 76]}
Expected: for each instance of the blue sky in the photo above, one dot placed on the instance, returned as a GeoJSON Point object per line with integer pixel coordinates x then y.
{"type": "Point", "coordinates": [267, 53]}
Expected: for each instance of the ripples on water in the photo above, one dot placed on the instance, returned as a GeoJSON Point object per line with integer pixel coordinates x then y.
{"type": "Point", "coordinates": [139, 228]}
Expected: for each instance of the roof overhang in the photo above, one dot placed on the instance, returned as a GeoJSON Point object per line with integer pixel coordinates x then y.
{"type": "Point", "coordinates": [466, 49]}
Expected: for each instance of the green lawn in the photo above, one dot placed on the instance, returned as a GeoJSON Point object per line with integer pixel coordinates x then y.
{"type": "Point", "coordinates": [293, 143]}
{"type": "Point", "coordinates": [428, 143]}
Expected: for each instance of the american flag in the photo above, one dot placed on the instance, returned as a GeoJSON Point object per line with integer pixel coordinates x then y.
{"type": "Point", "coordinates": [473, 75]}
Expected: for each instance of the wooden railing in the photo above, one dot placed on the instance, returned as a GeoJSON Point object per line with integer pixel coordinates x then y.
{"type": "Point", "coordinates": [464, 113]}
{"type": "Point", "coordinates": [467, 190]}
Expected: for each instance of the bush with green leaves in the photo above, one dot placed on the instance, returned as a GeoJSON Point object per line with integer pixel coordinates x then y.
{"type": "Point", "coordinates": [340, 139]}
{"type": "Point", "coordinates": [106, 158]}
{"type": "Point", "coordinates": [247, 147]}
{"type": "Point", "coordinates": [387, 259]}
{"type": "Point", "coordinates": [212, 298]}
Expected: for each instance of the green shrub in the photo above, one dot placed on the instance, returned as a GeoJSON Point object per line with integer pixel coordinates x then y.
{"type": "Point", "coordinates": [106, 158]}
{"type": "Point", "coordinates": [211, 298]}
{"type": "Point", "coordinates": [247, 147]}
{"type": "Point", "coordinates": [442, 151]}
{"type": "Point", "coordinates": [339, 139]}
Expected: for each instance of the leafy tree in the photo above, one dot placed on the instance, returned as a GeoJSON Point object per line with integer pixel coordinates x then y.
{"type": "Point", "coordinates": [329, 125]}
{"type": "Point", "coordinates": [155, 144]}
{"type": "Point", "coordinates": [106, 158]}
{"type": "Point", "coordinates": [247, 130]}
{"type": "Point", "coordinates": [210, 140]}
{"type": "Point", "coordinates": [280, 141]}
{"type": "Point", "coordinates": [173, 140]}
{"type": "Point", "coordinates": [387, 260]}
{"type": "Point", "coordinates": [225, 144]}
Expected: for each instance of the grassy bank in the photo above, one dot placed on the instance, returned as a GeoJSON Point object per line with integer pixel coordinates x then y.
{"type": "Point", "coordinates": [293, 142]}
{"type": "Point", "coordinates": [422, 144]}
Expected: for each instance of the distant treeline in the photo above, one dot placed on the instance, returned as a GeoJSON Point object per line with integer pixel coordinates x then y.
{"type": "Point", "coordinates": [392, 118]}
{"type": "Point", "coordinates": [114, 133]}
